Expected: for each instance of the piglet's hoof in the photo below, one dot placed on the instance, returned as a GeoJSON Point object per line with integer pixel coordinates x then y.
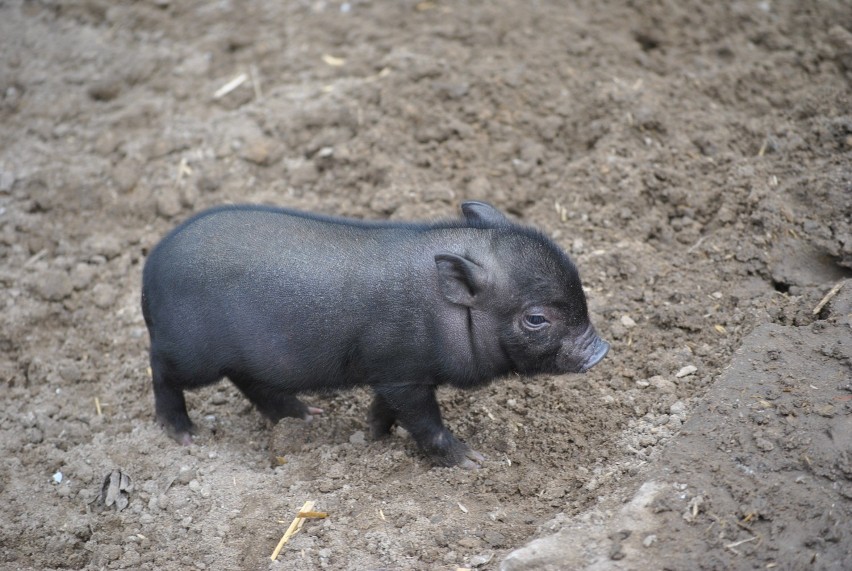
{"type": "Point", "coordinates": [311, 411]}
{"type": "Point", "coordinates": [182, 436]}
{"type": "Point", "coordinates": [447, 450]}
{"type": "Point", "coordinates": [472, 460]}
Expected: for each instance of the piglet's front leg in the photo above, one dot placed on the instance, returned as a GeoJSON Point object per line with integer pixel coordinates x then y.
{"type": "Point", "coordinates": [415, 408]}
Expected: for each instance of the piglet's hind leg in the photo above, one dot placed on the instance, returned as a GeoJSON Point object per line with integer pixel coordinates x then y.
{"type": "Point", "coordinates": [170, 406]}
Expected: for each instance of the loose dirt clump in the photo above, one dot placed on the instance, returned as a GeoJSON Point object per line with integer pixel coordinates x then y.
{"type": "Point", "coordinates": [695, 159]}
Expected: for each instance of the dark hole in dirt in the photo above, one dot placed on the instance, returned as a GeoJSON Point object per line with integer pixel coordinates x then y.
{"type": "Point", "coordinates": [781, 286]}
{"type": "Point", "coordinates": [646, 41]}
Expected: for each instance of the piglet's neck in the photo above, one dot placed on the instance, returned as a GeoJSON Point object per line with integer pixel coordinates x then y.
{"type": "Point", "coordinates": [470, 353]}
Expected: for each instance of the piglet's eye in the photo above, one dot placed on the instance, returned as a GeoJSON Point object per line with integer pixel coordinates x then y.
{"type": "Point", "coordinates": [535, 321]}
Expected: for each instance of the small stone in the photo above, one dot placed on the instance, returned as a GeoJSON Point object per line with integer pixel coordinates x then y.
{"type": "Point", "coordinates": [326, 486]}
{"type": "Point", "coordinates": [208, 184]}
{"type": "Point", "coordinates": [763, 444]}
{"type": "Point", "coordinates": [70, 372]}
{"type": "Point", "coordinates": [522, 168]}
{"type": "Point", "coordinates": [685, 371]}
{"type": "Point", "coordinates": [168, 205]}
{"type": "Point", "coordinates": [627, 321]}
{"type": "Point", "coordinates": [481, 559]}
{"type": "Point", "coordinates": [677, 408]}
{"type": "Point", "coordinates": [189, 195]}
{"type": "Point", "coordinates": [108, 142]}
{"type": "Point", "coordinates": [34, 435]}
{"type": "Point", "coordinates": [54, 285]}
{"type": "Point", "coordinates": [304, 174]}
{"type": "Point", "coordinates": [826, 410]}
{"type": "Point", "coordinates": [126, 175]}
{"type": "Point", "coordinates": [130, 559]}
{"type": "Point", "coordinates": [197, 65]}
{"type": "Point", "coordinates": [103, 295]}
{"type": "Point", "coordinates": [82, 275]}
{"type": "Point", "coordinates": [357, 438]}
{"type": "Point", "coordinates": [105, 89]}
{"type": "Point", "coordinates": [262, 151]}
{"type": "Point", "coordinates": [494, 538]}
{"type": "Point", "coordinates": [649, 540]}
{"type": "Point", "coordinates": [479, 188]}
{"type": "Point", "coordinates": [7, 181]}
{"type": "Point", "coordinates": [647, 440]}
{"type": "Point", "coordinates": [387, 200]}
{"type": "Point", "coordinates": [437, 192]}
{"type": "Point", "coordinates": [105, 245]}
{"type": "Point", "coordinates": [662, 384]}
{"type": "Point", "coordinates": [642, 384]}
{"type": "Point", "coordinates": [186, 474]}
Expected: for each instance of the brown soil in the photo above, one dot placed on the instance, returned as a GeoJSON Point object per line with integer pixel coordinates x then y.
{"type": "Point", "coordinates": [695, 159]}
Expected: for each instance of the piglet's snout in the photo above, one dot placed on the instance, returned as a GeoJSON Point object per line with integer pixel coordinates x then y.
{"type": "Point", "coordinates": [598, 351]}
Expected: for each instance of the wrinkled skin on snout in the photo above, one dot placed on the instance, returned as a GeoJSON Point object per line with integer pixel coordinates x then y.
{"type": "Point", "coordinates": [285, 302]}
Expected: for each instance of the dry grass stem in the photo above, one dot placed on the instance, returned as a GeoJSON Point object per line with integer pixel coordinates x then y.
{"type": "Point", "coordinates": [831, 293]}
{"type": "Point", "coordinates": [291, 531]}
{"type": "Point", "coordinates": [230, 86]}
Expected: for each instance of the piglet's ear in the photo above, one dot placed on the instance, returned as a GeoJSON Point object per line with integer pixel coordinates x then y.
{"type": "Point", "coordinates": [460, 279]}
{"type": "Point", "coordinates": [483, 214]}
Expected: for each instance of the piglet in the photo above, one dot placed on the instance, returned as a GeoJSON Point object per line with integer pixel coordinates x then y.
{"type": "Point", "coordinates": [284, 302]}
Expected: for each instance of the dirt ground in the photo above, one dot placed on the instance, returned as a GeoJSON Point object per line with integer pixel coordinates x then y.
{"type": "Point", "coordinates": [694, 158]}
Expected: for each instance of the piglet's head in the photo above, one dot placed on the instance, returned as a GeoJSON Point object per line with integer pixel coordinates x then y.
{"type": "Point", "coordinates": [525, 296]}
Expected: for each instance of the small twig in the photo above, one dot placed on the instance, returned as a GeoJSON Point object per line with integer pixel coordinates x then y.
{"type": "Point", "coordinates": [744, 526]}
{"type": "Point", "coordinates": [230, 86]}
{"type": "Point", "coordinates": [39, 255]}
{"type": "Point", "coordinates": [333, 61]}
{"type": "Point", "coordinates": [255, 81]}
{"type": "Point", "coordinates": [737, 543]}
{"type": "Point", "coordinates": [831, 293]}
{"type": "Point", "coordinates": [294, 527]}
{"type": "Point", "coordinates": [98, 406]}
{"type": "Point", "coordinates": [696, 245]}
{"type": "Point", "coordinates": [312, 515]}
{"type": "Point", "coordinates": [182, 170]}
